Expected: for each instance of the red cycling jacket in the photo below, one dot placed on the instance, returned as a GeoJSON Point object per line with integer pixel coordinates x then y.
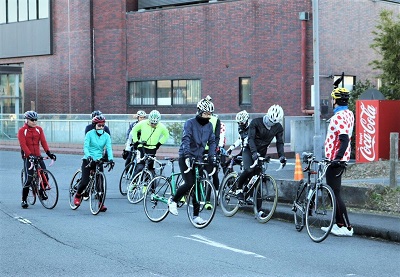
{"type": "Point", "coordinates": [29, 138]}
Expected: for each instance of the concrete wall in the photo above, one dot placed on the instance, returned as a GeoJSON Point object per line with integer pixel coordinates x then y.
{"type": "Point", "coordinates": [302, 134]}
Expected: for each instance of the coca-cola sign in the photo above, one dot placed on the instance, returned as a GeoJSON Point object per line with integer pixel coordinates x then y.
{"type": "Point", "coordinates": [366, 132]}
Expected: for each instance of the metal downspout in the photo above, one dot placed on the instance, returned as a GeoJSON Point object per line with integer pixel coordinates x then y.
{"type": "Point", "coordinates": [304, 69]}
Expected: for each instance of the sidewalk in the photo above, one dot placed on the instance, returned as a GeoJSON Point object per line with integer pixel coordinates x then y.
{"type": "Point", "coordinates": [374, 224]}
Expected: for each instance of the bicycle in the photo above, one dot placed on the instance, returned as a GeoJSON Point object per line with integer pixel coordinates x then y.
{"type": "Point", "coordinates": [95, 190]}
{"type": "Point", "coordinates": [261, 192]}
{"type": "Point", "coordinates": [315, 203]}
{"type": "Point", "coordinates": [175, 180]}
{"type": "Point", "coordinates": [43, 184]}
{"type": "Point", "coordinates": [128, 173]}
{"type": "Point", "coordinates": [162, 188]}
{"type": "Point", "coordinates": [138, 185]}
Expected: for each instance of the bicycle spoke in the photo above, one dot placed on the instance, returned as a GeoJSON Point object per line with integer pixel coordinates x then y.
{"type": "Point", "coordinates": [73, 187]}
{"type": "Point", "coordinates": [266, 198]}
{"type": "Point", "coordinates": [227, 195]}
{"type": "Point", "coordinates": [155, 199]}
{"type": "Point", "coordinates": [202, 202]}
{"type": "Point", "coordinates": [48, 189]}
{"type": "Point", "coordinates": [320, 213]}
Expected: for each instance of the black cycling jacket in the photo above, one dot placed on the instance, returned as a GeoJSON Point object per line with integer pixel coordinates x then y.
{"type": "Point", "coordinates": [259, 137]}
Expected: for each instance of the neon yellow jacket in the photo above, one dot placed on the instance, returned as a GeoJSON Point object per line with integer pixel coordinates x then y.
{"type": "Point", "coordinates": [149, 134]}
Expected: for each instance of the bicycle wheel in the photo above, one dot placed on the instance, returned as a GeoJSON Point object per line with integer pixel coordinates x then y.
{"type": "Point", "coordinates": [299, 206]}
{"type": "Point", "coordinates": [156, 199]}
{"type": "Point", "coordinates": [138, 186]}
{"type": "Point", "coordinates": [48, 189]}
{"type": "Point", "coordinates": [227, 195]}
{"type": "Point", "coordinates": [266, 198]}
{"type": "Point", "coordinates": [73, 187]}
{"type": "Point", "coordinates": [126, 177]}
{"type": "Point", "coordinates": [320, 213]}
{"type": "Point", "coordinates": [196, 203]}
{"type": "Point", "coordinates": [31, 199]}
{"type": "Point", "coordinates": [97, 193]}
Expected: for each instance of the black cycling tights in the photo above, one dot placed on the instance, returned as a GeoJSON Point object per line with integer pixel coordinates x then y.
{"type": "Point", "coordinates": [335, 182]}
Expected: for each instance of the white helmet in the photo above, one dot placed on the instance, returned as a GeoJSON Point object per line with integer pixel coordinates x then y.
{"type": "Point", "coordinates": [205, 105]}
{"type": "Point", "coordinates": [154, 117]}
{"type": "Point", "coordinates": [275, 113]}
{"type": "Point", "coordinates": [242, 117]}
{"type": "Point", "coordinates": [141, 113]}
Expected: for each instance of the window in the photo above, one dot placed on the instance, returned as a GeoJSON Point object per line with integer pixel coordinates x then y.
{"type": "Point", "coordinates": [348, 81]}
{"type": "Point", "coordinates": [164, 92]}
{"type": "Point", "coordinates": [244, 91]}
{"type": "Point", "coordinates": [12, 11]}
{"type": "Point", "coordinates": [3, 14]}
{"type": "Point", "coordinates": [22, 10]}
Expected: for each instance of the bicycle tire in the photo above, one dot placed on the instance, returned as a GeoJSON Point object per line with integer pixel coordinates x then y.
{"type": "Point", "coordinates": [48, 184]}
{"type": "Point", "coordinates": [98, 192]}
{"type": "Point", "coordinates": [73, 188]}
{"type": "Point", "coordinates": [31, 198]}
{"type": "Point", "coordinates": [265, 197]}
{"type": "Point", "coordinates": [205, 213]}
{"type": "Point", "coordinates": [139, 184]}
{"type": "Point", "coordinates": [227, 195]}
{"type": "Point", "coordinates": [126, 177]}
{"type": "Point", "coordinates": [156, 197]}
{"type": "Point", "coordinates": [320, 212]}
{"type": "Point", "coordinates": [299, 206]}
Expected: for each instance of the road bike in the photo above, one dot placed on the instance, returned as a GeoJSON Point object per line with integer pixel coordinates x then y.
{"type": "Point", "coordinates": [43, 185]}
{"type": "Point", "coordinates": [261, 192]}
{"type": "Point", "coordinates": [201, 196]}
{"type": "Point", "coordinates": [315, 203]}
{"type": "Point", "coordinates": [140, 181]}
{"type": "Point", "coordinates": [128, 173]}
{"type": "Point", "coordinates": [96, 188]}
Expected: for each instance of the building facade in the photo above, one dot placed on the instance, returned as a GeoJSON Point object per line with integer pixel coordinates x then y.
{"type": "Point", "coordinates": [122, 55]}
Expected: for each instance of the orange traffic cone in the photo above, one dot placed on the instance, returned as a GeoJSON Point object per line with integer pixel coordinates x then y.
{"type": "Point", "coordinates": [298, 170]}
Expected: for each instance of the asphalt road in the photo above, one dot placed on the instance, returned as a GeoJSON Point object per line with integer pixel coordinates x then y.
{"type": "Point", "coordinates": [123, 242]}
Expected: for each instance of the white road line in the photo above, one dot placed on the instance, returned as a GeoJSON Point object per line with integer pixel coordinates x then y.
{"type": "Point", "coordinates": [23, 220]}
{"type": "Point", "coordinates": [204, 240]}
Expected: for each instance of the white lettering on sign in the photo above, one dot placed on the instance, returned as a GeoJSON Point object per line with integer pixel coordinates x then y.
{"type": "Point", "coordinates": [368, 132]}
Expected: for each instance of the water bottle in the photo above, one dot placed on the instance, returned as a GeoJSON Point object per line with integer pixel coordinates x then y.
{"type": "Point", "coordinates": [252, 181]}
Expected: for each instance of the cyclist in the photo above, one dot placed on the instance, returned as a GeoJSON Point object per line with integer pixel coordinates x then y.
{"type": "Point", "coordinates": [242, 119]}
{"type": "Point", "coordinates": [92, 126]}
{"type": "Point", "coordinates": [261, 132]}
{"type": "Point", "coordinates": [153, 134]}
{"type": "Point", "coordinates": [95, 142]}
{"type": "Point", "coordinates": [197, 132]}
{"type": "Point", "coordinates": [30, 135]}
{"type": "Point", "coordinates": [337, 149]}
{"type": "Point", "coordinates": [216, 123]}
{"type": "Point", "coordinates": [127, 152]}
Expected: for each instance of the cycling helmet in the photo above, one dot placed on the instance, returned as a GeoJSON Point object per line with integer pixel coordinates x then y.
{"type": "Point", "coordinates": [275, 114]}
{"type": "Point", "coordinates": [31, 115]}
{"type": "Point", "coordinates": [205, 105]}
{"type": "Point", "coordinates": [340, 93]}
{"type": "Point", "coordinates": [98, 119]}
{"type": "Point", "coordinates": [94, 113]}
{"type": "Point", "coordinates": [141, 113]}
{"type": "Point", "coordinates": [154, 116]}
{"type": "Point", "coordinates": [242, 117]}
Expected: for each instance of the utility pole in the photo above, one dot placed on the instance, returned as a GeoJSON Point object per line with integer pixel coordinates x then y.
{"type": "Point", "coordinates": [317, 121]}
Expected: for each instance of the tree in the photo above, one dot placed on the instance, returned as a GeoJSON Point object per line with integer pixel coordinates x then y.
{"type": "Point", "coordinates": [387, 44]}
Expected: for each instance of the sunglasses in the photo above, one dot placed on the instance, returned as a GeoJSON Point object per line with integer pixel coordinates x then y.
{"type": "Point", "coordinates": [100, 125]}
{"type": "Point", "coordinates": [33, 120]}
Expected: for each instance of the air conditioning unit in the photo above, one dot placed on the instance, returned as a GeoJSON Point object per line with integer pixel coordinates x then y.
{"type": "Point", "coordinates": [304, 15]}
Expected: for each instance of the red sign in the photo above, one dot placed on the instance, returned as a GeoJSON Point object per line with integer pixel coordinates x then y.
{"type": "Point", "coordinates": [366, 131]}
{"type": "Point", "coordinates": [375, 120]}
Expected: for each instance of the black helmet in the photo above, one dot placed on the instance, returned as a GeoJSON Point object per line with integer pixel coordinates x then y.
{"type": "Point", "coordinates": [31, 115]}
{"type": "Point", "coordinates": [94, 113]}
